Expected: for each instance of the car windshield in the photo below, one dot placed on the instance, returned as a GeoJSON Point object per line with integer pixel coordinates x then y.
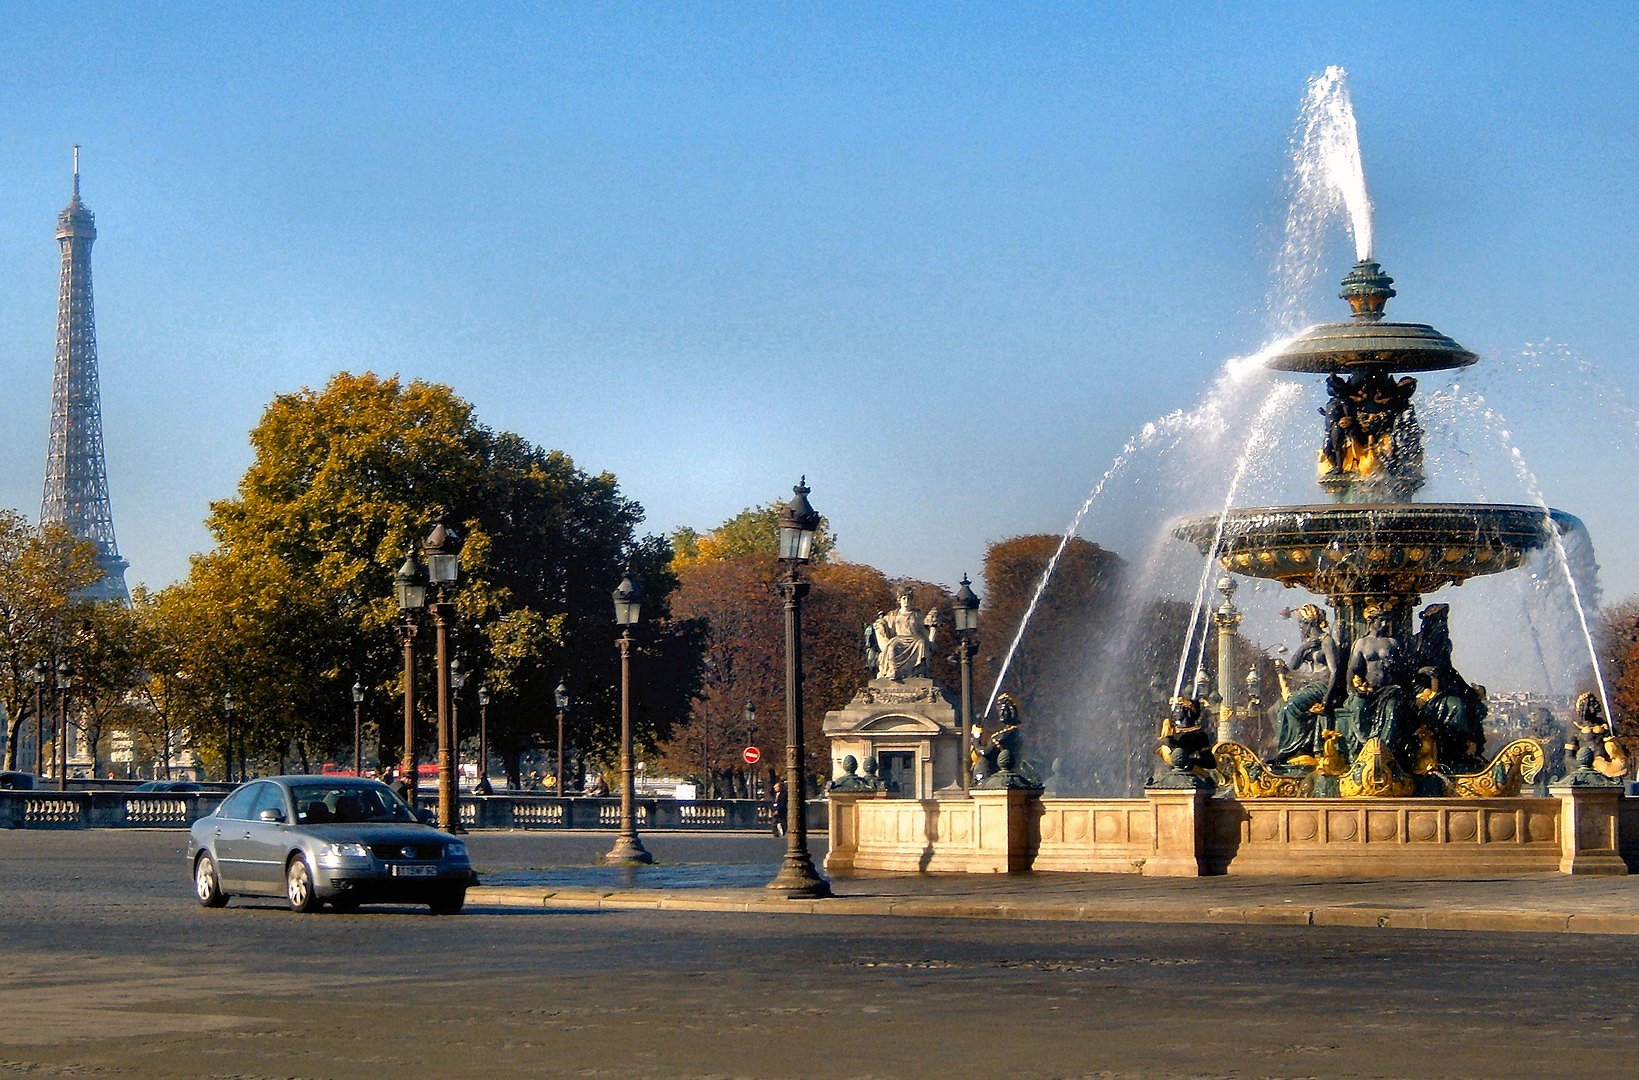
{"type": "Point", "coordinates": [332, 804]}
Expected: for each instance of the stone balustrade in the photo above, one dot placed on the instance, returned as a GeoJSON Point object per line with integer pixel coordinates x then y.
{"type": "Point", "coordinates": [161, 810]}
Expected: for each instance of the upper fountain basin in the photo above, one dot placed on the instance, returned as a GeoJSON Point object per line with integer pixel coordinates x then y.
{"type": "Point", "coordinates": [1384, 548]}
{"type": "Point", "coordinates": [1371, 346]}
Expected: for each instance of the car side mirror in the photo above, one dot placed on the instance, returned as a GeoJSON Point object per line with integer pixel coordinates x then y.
{"type": "Point", "coordinates": [272, 815]}
{"type": "Point", "coordinates": [426, 817]}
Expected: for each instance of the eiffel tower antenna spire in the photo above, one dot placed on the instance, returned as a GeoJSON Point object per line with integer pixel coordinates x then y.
{"type": "Point", "coordinates": [76, 487]}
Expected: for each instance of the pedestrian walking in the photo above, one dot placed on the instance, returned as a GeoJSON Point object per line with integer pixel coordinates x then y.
{"type": "Point", "coordinates": [777, 813]}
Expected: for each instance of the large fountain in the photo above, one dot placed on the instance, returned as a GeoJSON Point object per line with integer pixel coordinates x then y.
{"type": "Point", "coordinates": [1382, 762]}
{"type": "Point", "coordinates": [1388, 714]}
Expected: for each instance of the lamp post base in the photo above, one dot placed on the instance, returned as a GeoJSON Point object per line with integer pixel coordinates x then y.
{"type": "Point", "coordinates": [798, 880]}
{"type": "Point", "coordinates": [628, 851]}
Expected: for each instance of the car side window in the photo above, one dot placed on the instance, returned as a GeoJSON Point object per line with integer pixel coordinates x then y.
{"type": "Point", "coordinates": [269, 797]}
{"type": "Point", "coordinates": [238, 804]}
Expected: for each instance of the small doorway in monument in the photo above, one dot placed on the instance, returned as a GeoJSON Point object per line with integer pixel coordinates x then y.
{"type": "Point", "coordinates": [898, 770]}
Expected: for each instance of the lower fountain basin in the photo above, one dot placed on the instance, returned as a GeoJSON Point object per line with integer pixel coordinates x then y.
{"type": "Point", "coordinates": [1376, 549]}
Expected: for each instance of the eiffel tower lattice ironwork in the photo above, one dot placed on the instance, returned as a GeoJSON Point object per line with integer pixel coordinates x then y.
{"type": "Point", "coordinates": [76, 487]}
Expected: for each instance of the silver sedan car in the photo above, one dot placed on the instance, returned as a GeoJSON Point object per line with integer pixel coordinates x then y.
{"type": "Point", "coordinates": [325, 839]}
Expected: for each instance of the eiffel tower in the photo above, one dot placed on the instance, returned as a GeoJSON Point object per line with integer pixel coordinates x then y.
{"type": "Point", "coordinates": [76, 488]}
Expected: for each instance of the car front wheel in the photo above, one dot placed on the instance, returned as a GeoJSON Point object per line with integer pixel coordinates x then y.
{"type": "Point", "coordinates": [299, 887]}
{"type": "Point", "coordinates": [449, 902]}
{"type": "Point", "coordinates": [206, 885]}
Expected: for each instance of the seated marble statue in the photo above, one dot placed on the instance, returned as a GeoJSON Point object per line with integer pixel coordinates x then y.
{"type": "Point", "coordinates": [904, 641]}
{"type": "Point", "coordinates": [1317, 669]}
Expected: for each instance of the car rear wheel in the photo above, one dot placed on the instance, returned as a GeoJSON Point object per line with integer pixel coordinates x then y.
{"type": "Point", "coordinates": [449, 902]}
{"type": "Point", "coordinates": [299, 887]}
{"type": "Point", "coordinates": [206, 885]}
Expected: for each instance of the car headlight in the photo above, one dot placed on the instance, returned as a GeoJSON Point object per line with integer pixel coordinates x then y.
{"type": "Point", "coordinates": [334, 854]}
{"type": "Point", "coordinates": [456, 850]}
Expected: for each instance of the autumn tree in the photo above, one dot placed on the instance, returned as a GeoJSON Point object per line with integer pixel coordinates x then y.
{"type": "Point", "coordinates": [729, 581]}
{"type": "Point", "coordinates": [44, 572]}
{"type": "Point", "coordinates": [1619, 661]}
{"type": "Point", "coordinates": [295, 601]}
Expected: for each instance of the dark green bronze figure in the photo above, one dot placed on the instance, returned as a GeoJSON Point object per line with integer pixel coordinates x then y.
{"type": "Point", "coordinates": [1317, 667]}
{"type": "Point", "coordinates": [1381, 706]}
{"type": "Point", "coordinates": [1186, 747]}
{"type": "Point", "coordinates": [1002, 759]}
{"type": "Point", "coordinates": [850, 780]}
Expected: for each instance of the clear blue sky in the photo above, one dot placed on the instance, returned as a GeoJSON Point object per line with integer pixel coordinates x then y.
{"type": "Point", "coordinates": [945, 264]}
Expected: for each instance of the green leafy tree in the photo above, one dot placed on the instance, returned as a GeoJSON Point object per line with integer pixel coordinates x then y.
{"type": "Point", "coordinates": [44, 572]}
{"type": "Point", "coordinates": [754, 531]}
{"type": "Point", "coordinates": [295, 602]}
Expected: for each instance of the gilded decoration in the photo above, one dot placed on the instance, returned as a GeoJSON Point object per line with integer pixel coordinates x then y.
{"type": "Point", "coordinates": [1250, 778]}
{"type": "Point", "coordinates": [1515, 765]}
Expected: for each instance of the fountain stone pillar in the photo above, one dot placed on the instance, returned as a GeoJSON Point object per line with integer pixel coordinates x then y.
{"type": "Point", "coordinates": [1228, 620]}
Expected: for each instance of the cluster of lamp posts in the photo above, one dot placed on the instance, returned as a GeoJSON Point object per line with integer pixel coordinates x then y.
{"type": "Point", "coordinates": [429, 586]}
{"type": "Point", "coordinates": [40, 674]}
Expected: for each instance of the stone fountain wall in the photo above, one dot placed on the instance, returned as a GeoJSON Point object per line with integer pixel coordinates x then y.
{"type": "Point", "coordinates": [1185, 833]}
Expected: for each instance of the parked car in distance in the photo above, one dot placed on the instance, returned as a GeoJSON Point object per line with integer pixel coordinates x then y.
{"type": "Point", "coordinates": [20, 781]}
{"type": "Point", "coordinates": [173, 786]}
{"type": "Point", "coordinates": [315, 840]}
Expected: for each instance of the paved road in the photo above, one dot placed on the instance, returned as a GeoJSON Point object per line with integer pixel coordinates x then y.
{"type": "Point", "coordinates": [108, 967]}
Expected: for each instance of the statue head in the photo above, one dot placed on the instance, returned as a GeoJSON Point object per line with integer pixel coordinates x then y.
{"type": "Point", "coordinates": [1590, 715]}
{"type": "Point", "coordinates": [1186, 713]}
{"type": "Point", "coordinates": [870, 766]}
{"type": "Point", "coordinates": [1007, 709]}
{"type": "Point", "coordinates": [850, 764]}
{"type": "Point", "coordinates": [1310, 616]}
{"type": "Point", "coordinates": [1378, 613]}
{"type": "Point", "coordinates": [905, 598]}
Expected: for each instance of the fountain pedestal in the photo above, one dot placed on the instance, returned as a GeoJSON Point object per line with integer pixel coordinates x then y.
{"type": "Point", "coordinates": [911, 727]}
{"type": "Point", "coordinates": [1590, 834]}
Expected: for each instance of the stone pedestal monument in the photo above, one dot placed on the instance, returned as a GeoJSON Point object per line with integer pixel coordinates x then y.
{"type": "Point", "coordinates": [901, 721]}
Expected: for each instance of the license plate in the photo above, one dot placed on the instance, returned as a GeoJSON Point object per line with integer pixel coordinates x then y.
{"type": "Point", "coordinates": [415, 871]}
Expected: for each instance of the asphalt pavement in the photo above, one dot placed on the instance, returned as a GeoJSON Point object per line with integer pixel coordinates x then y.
{"type": "Point", "coordinates": [108, 967]}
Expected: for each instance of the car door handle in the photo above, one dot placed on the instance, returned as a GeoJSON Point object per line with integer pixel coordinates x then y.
{"type": "Point", "coordinates": [245, 837]}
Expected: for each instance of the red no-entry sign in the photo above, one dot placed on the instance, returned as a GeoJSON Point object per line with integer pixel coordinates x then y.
{"type": "Point", "coordinates": [752, 755]}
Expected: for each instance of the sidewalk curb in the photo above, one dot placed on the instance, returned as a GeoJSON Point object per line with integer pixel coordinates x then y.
{"type": "Point", "coordinates": [1350, 915]}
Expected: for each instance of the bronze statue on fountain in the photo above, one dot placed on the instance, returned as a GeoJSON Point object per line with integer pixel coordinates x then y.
{"type": "Point", "coordinates": [1370, 707]}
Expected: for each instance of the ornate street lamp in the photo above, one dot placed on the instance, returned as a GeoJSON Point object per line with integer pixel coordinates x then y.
{"type": "Point", "coordinates": [410, 587]}
{"type": "Point", "coordinates": [798, 523]}
{"type": "Point", "coordinates": [966, 607]}
{"type": "Point", "coordinates": [458, 682]}
{"type": "Point", "coordinates": [38, 674]}
{"type": "Point", "coordinates": [65, 680]}
{"type": "Point", "coordinates": [560, 697]}
{"type": "Point", "coordinates": [358, 729]}
{"type": "Point", "coordinates": [628, 609]}
{"type": "Point", "coordinates": [228, 705]}
{"type": "Point", "coordinates": [483, 786]}
{"type": "Point", "coordinates": [442, 570]}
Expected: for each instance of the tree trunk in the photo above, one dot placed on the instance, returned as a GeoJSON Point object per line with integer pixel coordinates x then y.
{"type": "Point", "coordinates": [14, 724]}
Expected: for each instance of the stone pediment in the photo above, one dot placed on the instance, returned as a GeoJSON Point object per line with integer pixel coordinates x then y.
{"type": "Point", "coordinates": [900, 722]}
{"type": "Point", "coordinates": [883, 706]}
